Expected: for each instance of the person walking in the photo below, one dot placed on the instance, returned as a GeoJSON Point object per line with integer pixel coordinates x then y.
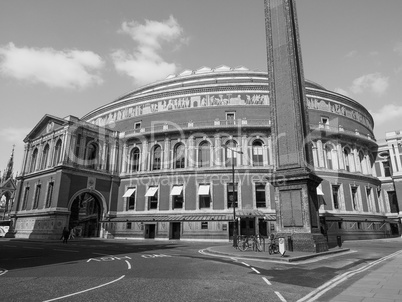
{"type": "Point", "coordinates": [72, 234]}
{"type": "Point", "coordinates": [65, 235]}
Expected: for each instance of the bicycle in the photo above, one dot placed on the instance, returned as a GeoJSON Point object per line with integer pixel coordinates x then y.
{"type": "Point", "coordinates": [249, 242]}
{"type": "Point", "coordinates": [273, 246]}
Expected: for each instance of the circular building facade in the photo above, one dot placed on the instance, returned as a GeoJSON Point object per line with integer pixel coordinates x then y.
{"type": "Point", "coordinates": [197, 144]}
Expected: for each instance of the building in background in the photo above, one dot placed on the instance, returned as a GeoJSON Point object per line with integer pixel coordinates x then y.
{"type": "Point", "coordinates": [171, 159]}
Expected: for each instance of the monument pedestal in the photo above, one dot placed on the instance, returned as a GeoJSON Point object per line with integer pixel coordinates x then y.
{"type": "Point", "coordinates": [297, 207]}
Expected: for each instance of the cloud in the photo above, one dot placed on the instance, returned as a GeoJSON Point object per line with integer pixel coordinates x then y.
{"type": "Point", "coordinates": [341, 91]}
{"type": "Point", "coordinates": [374, 82]}
{"type": "Point", "coordinates": [145, 64]}
{"type": "Point", "coordinates": [398, 48]}
{"type": "Point", "coordinates": [58, 69]}
{"type": "Point", "coordinates": [351, 54]}
{"type": "Point", "coordinates": [387, 113]}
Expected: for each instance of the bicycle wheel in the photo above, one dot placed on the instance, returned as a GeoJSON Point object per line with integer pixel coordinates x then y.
{"type": "Point", "coordinates": [242, 245]}
{"type": "Point", "coordinates": [276, 249]}
{"type": "Point", "coordinates": [270, 249]}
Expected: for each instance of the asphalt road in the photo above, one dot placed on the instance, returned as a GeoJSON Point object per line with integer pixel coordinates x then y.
{"type": "Point", "coordinates": [130, 270]}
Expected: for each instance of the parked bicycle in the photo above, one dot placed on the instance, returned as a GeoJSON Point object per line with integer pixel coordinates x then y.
{"type": "Point", "coordinates": [273, 247]}
{"type": "Point", "coordinates": [250, 242]}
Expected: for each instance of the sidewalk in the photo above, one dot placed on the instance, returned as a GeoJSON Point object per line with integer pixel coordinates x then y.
{"type": "Point", "coordinates": [382, 284]}
{"type": "Point", "coordinates": [229, 250]}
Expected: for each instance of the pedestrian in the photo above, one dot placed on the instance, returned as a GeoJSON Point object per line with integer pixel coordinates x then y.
{"type": "Point", "coordinates": [65, 235]}
{"type": "Point", "coordinates": [72, 234]}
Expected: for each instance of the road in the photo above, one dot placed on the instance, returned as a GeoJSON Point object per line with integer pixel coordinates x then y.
{"type": "Point", "coordinates": [142, 270]}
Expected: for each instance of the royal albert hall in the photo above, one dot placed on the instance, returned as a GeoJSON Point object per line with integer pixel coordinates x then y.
{"type": "Point", "coordinates": [179, 158]}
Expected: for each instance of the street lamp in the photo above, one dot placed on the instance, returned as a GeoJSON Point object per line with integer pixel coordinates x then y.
{"type": "Point", "coordinates": [233, 196]}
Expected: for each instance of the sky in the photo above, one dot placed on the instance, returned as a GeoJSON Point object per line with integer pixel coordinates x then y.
{"type": "Point", "coordinates": [69, 57]}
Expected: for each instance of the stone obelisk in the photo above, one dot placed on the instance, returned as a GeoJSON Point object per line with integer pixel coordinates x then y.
{"type": "Point", "coordinates": [294, 180]}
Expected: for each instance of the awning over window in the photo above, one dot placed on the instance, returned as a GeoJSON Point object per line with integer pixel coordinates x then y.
{"type": "Point", "coordinates": [129, 192]}
{"type": "Point", "coordinates": [151, 192]}
{"type": "Point", "coordinates": [203, 190]}
{"type": "Point", "coordinates": [176, 190]}
{"type": "Point", "coordinates": [319, 191]}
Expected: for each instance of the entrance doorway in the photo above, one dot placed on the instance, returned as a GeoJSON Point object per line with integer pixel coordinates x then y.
{"type": "Point", "coordinates": [174, 230]}
{"type": "Point", "coordinates": [247, 226]}
{"type": "Point", "coordinates": [85, 215]}
{"type": "Point", "coordinates": [150, 231]}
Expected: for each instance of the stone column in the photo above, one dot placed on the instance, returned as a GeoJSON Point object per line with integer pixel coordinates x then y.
{"type": "Point", "coordinates": [296, 196]}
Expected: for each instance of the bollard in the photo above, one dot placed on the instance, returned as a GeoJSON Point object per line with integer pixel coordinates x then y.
{"type": "Point", "coordinates": [290, 244]}
{"type": "Point", "coordinates": [339, 241]}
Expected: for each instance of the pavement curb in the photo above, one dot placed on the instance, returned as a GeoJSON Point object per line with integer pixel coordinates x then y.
{"type": "Point", "coordinates": [266, 256]}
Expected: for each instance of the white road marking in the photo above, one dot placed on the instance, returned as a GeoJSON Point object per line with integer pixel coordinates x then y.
{"type": "Point", "coordinates": [128, 264]}
{"type": "Point", "coordinates": [255, 270]}
{"type": "Point", "coordinates": [245, 264]}
{"type": "Point", "coordinates": [86, 290]}
{"type": "Point", "coordinates": [319, 291]}
{"type": "Point", "coordinates": [266, 281]}
{"type": "Point", "coordinates": [280, 296]}
{"type": "Point", "coordinates": [2, 272]}
{"type": "Point", "coordinates": [10, 245]}
{"type": "Point", "coordinates": [33, 248]}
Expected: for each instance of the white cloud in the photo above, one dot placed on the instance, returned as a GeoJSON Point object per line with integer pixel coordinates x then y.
{"type": "Point", "coordinates": [398, 48]}
{"type": "Point", "coordinates": [145, 64]}
{"type": "Point", "coordinates": [387, 113]}
{"type": "Point", "coordinates": [60, 69]}
{"type": "Point", "coordinates": [341, 91]}
{"type": "Point", "coordinates": [373, 82]}
{"type": "Point", "coordinates": [351, 54]}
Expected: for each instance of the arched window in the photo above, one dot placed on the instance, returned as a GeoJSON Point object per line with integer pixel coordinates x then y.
{"type": "Point", "coordinates": [134, 160]}
{"type": "Point", "coordinates": [347, 158]}
{"type": "Point", "coordinates": [33, 160]}
{"type": "Point", "coordinates": [57, 153]}
{"type": "Point", "coordinates": [258, 159]}
{"type": "Point", "coordinates": [156, 158]}
{"type": "Point", "coordinates": [363, 163]}
{"type": "Point", "coordinates": [179, 156]}
{"type": "Point", "coordinates": [45, 155]}
{"type": "Point", "coordinates": [231, 154]}
{"type": "Point", "coordinates": [91, 155]}
{"type": "Point", "coordinates": [329, 154]}
{"type": "Point", "coordinates": [204, 155]}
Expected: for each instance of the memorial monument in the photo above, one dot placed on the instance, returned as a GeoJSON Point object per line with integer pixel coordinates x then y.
{"type": "Point", "coordinates": [295, 186]}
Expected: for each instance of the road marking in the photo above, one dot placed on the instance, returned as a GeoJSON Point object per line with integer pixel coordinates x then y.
{"type": "Point", "coordinates": [108, 258]}
{"type": "Point", "coordinates": [245, 264]}
{"type": "Point", "coordinates": [3, 271]}
{"type": "Point", "coordinates": [71, 251]}
{"type": "Point", "coordinates": [280, 296]}
{"type": "Point", "coordinates": [86, 290]}
{"type": "Point", "coordinates": [128, 264]}
{"type": "Point", "coordinates": [319, 291]}
{"type": "Point", "coordinates": [10, 245]}
{"type": "Point", "coordinates": [33, 248]}
{"type": "Point", "coordinates": [255, 270]}
{"type": "Point", "coordinates": [154, 255]}
{"type": "Point", "coordinates": [266, 281]}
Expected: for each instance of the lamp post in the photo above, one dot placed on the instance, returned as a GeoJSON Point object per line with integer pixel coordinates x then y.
{"type": "Point", "coordinates": [233, 196]}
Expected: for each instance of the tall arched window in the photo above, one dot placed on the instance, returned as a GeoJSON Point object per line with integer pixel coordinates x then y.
{"type": "Point", "coordinates": [91, 155]}
{"type": "Point", "coordinates": [57, 153]}
{"type": "Point", "coordinates": [45, 156]}
{"type": "Point", "coordinates": [156, 158]}
{"type": "Point", "coordinates": [33, 160]}
{"type": "Point", "coordinates": [179, 156]}
{"type": "Point", "coordinates": [363, 163]}
{"type": "Point", "coordinates": [204, 155]}
{"type": "Point", "coordinates": [347, 158]}
{"type": "Point", "coordinates": [231, 156]}
{"type": "Point", "coordinates": [258, 159]}
{"type": "Point", "coordinates": [329, 157]}
{"type": "Point", "coordinates": [134, 160]}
